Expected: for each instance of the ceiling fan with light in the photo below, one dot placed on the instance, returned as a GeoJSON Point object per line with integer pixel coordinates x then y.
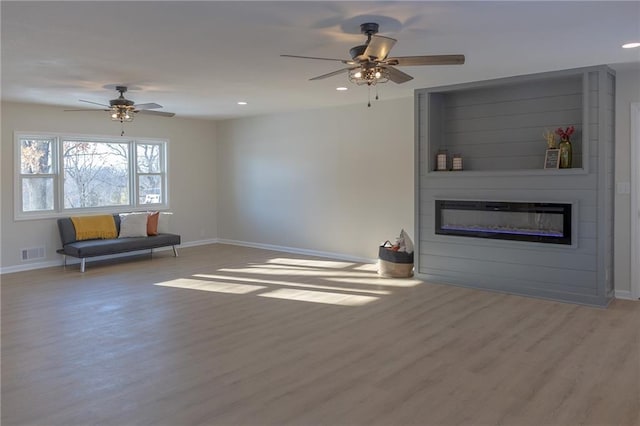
{"type": "Point", "coordinates": [370, 63]}
{"type": "Point", "coordinates": [123, 110]}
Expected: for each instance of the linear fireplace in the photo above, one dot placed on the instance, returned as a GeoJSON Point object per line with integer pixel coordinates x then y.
{"type": "Point", "coordinates": [537, 222]}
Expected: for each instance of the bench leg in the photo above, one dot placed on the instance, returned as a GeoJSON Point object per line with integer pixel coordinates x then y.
{"type": "Point", "coordinates": [175, 251]}
{"type": "Point", "coordinates": [82, 262]}
{"type": "Point", "coordinates": [64, 261]}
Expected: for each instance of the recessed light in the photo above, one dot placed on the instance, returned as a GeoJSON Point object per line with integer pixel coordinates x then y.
{"type": "Point", "coordinates": [630, 45]}
{"type": "Point", "coordinates": [341, 89]}
{"type": "Point", "coordinates": [242, 103]}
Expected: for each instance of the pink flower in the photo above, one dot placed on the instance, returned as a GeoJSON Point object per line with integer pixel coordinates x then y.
{"type": "Point", "coordinates": [565, 134]}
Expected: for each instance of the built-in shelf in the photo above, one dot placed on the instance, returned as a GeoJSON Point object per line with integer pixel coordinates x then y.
{"type": "Point", "coordinates": [448, 174]}
{"type": "Point", "coordinates": [499, 125]}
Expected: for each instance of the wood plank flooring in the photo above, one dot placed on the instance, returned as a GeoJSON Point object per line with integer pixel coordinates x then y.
{"type": "Point", "coordinates": [226, 335]}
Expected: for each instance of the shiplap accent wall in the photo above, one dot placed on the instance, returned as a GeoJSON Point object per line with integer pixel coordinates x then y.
{"type": "Point", "coordinates": [497, 127]}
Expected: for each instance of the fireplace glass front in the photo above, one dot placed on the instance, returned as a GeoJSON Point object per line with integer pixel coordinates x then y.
{"type": "Point", "coordinates": [537, 222]}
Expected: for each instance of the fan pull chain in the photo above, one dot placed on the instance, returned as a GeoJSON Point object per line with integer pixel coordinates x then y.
{"type": "Point", "coordinates": [121, 128]}
{"type": "Point", "coordinates": [369, 103]}
{"type": "Point", "coordinates": [377, 93]}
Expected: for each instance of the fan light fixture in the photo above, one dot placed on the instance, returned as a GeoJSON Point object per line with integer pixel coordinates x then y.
{"type": "Point", "coordinates": [121, 114]}
{"type": "Point", "coordinates": [369, 75]}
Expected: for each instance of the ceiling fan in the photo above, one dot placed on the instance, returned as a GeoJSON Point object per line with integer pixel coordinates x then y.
{"type": "Point", "coordinates": [370, 63]}
{"type": "Point", "coordinates": [122, 109]}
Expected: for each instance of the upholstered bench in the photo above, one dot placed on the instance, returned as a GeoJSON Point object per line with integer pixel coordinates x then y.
{"type": "Point", "coordinates": [89, 242]}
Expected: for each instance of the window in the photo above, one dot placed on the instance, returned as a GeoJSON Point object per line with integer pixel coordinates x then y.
{"type": "Point", "coordinates": [59, 174]}
{"type": "Point", "coordinates": [149, 172]}
{"type": "Point", "coordinates": [37, 176]}
{"type": "Point", "coordinates": [96, 174]}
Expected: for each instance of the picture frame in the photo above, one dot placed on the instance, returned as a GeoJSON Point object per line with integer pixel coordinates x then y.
{"type": "Point", "coordinates": [552, 159]}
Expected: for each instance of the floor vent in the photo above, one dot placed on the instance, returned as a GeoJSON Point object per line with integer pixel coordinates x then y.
{"type": "Point", "coordinates": [32, 253]}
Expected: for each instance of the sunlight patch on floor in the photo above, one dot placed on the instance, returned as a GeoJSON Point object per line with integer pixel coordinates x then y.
{"type": "Point", "coordinates": [320, 297]}
{"type": "Point", "coordinates": [367, 267]}
{"type": "Point", "coordinates": [205, 285]}
{"type": "Point", "coordinates": [348, 277]}
{"type": "Point", "coordinates": [339, 277]}
{"type": "Point", "coordinates": [385, 282]}
{"type": "Point", "coordinates": [311, 263]}
{"type": "Point", "coordinates": [282, 270]}
{"type": "Point", "coordinates": [289, 284]}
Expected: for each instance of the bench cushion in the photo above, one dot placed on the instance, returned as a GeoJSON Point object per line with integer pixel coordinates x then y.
{"type": "Point", "coordinates": [91, 248]}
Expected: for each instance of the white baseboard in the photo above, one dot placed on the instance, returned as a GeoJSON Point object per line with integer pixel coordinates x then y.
{"type": "Point", "coordinates": [30, 266]}
{"type": "Point", "coordinates": [295, 250]}
{"type": "Point", "coordinates": [198, 243]}
{"type": "Point", "coordinates": [624, 294]}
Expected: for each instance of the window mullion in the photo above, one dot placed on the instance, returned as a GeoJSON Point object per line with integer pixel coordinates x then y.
{"type": "Point", "coordinates": [59, 178]}
{"type": "Point", "coordinates": [133, 173]}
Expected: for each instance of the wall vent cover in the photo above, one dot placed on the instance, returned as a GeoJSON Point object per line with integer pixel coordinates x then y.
{"type": "Point", "coordinates": [32, 253]}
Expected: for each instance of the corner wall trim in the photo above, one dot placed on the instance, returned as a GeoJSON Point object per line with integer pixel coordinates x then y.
{"type": "Point", "coordinates": [295, 250]}
{"type": "Point", "coordinates": [624, 294]}
{"type": "Point", "coordinates": [635, 198]}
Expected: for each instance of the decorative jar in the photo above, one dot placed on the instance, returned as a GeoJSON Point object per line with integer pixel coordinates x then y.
{"type": "Point", "coordinates": [441, 160]}
{"type": "Point", "coordinates": [456, 162]}
{"type": "Point", "coordinates": [565, 153]}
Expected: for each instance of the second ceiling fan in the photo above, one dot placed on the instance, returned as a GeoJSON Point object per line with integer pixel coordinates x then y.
{"type": "Point", "coordinates": [123, 110]}
{"type": "Point", "coordinates": [370, 63]}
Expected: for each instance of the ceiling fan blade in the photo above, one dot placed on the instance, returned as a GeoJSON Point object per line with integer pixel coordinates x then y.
{"type": "Point", "coordinates": [398, 76]}
{"type": "Point", "coordinates": [379, 47]}
{"type": "Point", "coordinates": [331, 74]}
{"type": "Point", "coordinates": [151, 105]}
{"type": "Point", "coordinates": [160, 113]}
{"type": "Point", "coordinates": [404, 61]}
{"type": "Point", "coordinates": [95, 103]}
{"type": "Point", "coordinates": [344, 61]}
{"type": "Point", "coordinates": [87, 109]}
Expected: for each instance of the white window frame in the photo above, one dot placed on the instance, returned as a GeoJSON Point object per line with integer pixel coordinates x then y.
{"type": "Point", "coordinates": [58, 175]}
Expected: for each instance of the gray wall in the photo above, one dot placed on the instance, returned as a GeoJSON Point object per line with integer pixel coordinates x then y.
{"type": "Point", "coordinates": [336, 180]}
{"type": "Point", "coordinates": [477, 118]}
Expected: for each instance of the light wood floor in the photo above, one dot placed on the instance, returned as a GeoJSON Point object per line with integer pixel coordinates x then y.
{"type": "Point", "coordinates": [226, 335]}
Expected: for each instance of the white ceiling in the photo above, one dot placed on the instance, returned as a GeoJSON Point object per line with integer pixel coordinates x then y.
{"type": "Point", "coordinates": [198, 59]}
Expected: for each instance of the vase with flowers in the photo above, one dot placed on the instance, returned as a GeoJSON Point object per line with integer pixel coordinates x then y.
{"type": "Point", "coordinates": [565, 146]}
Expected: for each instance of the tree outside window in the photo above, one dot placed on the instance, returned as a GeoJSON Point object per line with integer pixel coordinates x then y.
{"type": "Point", "coordinates": [96, 174]}
{"type": "Point", "coordinates": [37, 174]}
